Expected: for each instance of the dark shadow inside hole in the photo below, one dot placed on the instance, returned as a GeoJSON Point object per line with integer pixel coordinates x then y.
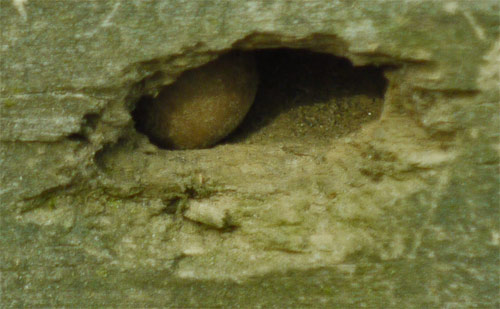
{"type": "Point", "coordinates": [139, 114]}
{"type": "Point", "coordinates": [302, 97]}
{"type": "Point", "coordinates": [307, 96]}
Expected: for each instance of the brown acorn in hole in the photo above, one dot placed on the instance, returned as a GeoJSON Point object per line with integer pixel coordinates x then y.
{"type": "Point", "coordinates": [204, 105]}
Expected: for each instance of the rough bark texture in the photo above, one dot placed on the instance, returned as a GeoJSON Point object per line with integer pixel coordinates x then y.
{"type": "Point", "coordinates": [332, 195]}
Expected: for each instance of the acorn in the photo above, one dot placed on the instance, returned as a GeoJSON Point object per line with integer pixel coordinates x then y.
{"type": "Point", "coordinates": [203, 105]}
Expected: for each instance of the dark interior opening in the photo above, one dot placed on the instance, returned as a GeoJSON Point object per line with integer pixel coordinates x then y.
{"type": "Point", "coordinates": [304, 97]}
